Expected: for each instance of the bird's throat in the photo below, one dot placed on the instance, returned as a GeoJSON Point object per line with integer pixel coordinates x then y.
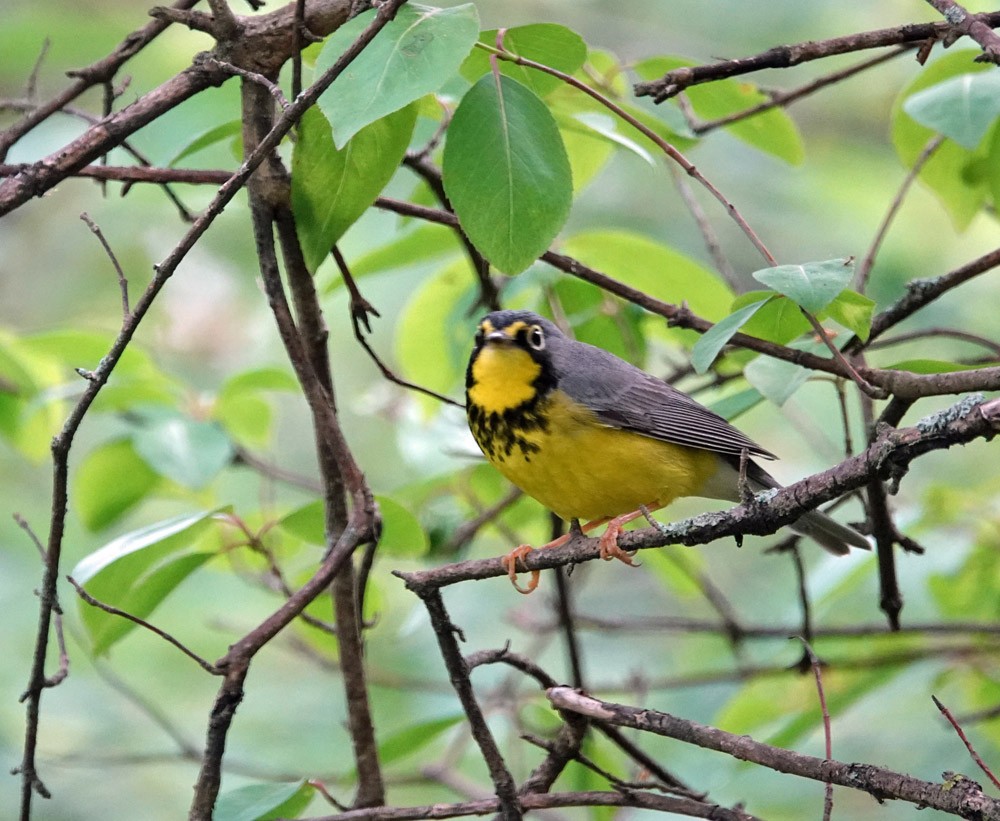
{"type": "Point", "coordinates": [503, 377]}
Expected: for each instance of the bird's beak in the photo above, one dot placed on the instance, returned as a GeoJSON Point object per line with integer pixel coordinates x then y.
{"type": "Point", "coordinates": [498, 338]}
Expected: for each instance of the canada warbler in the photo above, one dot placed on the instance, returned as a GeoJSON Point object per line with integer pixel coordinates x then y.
{"type": "Point", "coordinates": [594, 438]}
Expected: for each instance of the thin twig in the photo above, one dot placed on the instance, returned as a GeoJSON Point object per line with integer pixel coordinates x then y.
{"type": "Point", "coordinates": [965, 740]}
{"type": "Point", "coordinates": [868, 261]}
{"type": "Point", "coordinates": [783, 99]}
{"type": "Point", "coordinates": [675, 81]}
{"type": "Point", "coordinates": [360, 308]}
{"type": "Point", "coordinates": [163, 634]}
{"type": "Point", "coordinates": [817, 670]}
{"type": "Point", "coordinates": [122, 281]}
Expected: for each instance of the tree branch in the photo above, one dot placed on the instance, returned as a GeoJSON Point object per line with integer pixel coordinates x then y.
{"type": "Point", "coordinates": [673, 82]}
{"type": "Point", "coordinates": [961, 797]}
{"type": "Point", "coordinates": [889, 455]}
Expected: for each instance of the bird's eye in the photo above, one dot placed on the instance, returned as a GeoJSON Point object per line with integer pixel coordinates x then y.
{"type": "Point", "coordinates": [478, 340]}
{"type": "Point", "coordinates": [535, 338]}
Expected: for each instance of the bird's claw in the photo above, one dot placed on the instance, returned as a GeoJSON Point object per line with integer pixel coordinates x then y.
{"type": "Point", "coordinates": [510, 565]}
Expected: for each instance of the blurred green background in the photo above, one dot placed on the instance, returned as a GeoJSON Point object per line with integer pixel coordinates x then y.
{"type": "Point", "coordinates": [102, 752]}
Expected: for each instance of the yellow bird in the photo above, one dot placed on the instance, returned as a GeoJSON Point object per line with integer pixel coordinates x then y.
{"type": "Point", "coordinates": [594, 438]}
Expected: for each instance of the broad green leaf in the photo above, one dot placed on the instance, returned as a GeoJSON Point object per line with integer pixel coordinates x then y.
{"type": "Point", "coordinates": [260, 379]}
{"type": "Point", "coordinates": [930, 366]}
{"type": "Point", "coordinates": [331, 188]}
{"type": "Point", "coordinates": [655, 268]}
{"type": "Point", "coordinates": [434, 332]}
{"type": "Point", "coordinates": [264, 801]}
{"type": "Point", "coordinates": [948, 172]}
{"type": "Point", "coordinates": [992, 166]}
{"type": "Point", "coordinates": [415, 737]}
{"type": "Point", "coordinates": [506, 172]}
{"type": "Point", "coordinates": [242, 411]}
{"type": "Point", "coordinates": [186, 450]}
{"type": "Point", "coordinates": [813, 285]}
{"type": "Point", "coordinates": [775, 379]}
{"type": "Point", "coordinates": [606, 126]}
{"type": "Point", "coordinates": [306, 522]}
{"type": "Point", "coordinates": [588, 150]}
{"type": "Point", "coordinates": [230, 130]}
{"type": "Point", "coordinates": [247, 418]}
{"type": "Point", "coordinates": [854, 311]}
{"type": "Point", "coordinates": [715, 338]}
{"type": "Point", "coordinates": [551, 45]}
{"type": "Point", "coordinates": [772, 130]}
{"type": "Point", "coordinates": [137, 571]}
{"type": "Point", "coordinates": [85, 349]}
{"type": "Point", "coordinates": [426, 241]}
{"type": "Point", "coordinates": [780, 320]}
{"type": "Point", "coordinates": [962, 108]}
{"type": "Point", "coordinates": [414, 55]}
{"type": "Point", "coordinates": [962, 594]}
{"type": "Point", "coordinates": [100, 495]}
{"type": "Point", "coordinates": [841, 689]}
{"type": "Point", "coordinates": [402, 534]}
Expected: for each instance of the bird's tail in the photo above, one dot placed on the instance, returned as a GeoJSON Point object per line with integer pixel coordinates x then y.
{"type": "Point", "coordinates": [831, 535]}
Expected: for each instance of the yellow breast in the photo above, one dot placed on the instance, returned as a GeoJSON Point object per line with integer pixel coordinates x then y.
{"type": "Point", "coordinates": [580, 468]}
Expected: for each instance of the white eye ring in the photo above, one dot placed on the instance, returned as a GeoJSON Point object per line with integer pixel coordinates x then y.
{"type": "Point", "coordinates": [535, 338]}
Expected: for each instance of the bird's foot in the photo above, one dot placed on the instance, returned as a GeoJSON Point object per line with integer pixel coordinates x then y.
{"type": "Point", "coordinates": [510, 560]}
{"type": "Point", "coordinates": [608, 544]}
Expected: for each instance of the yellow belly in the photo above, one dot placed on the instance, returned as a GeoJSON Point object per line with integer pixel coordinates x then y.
{"type": "Point", "coordinates": [583, 469]}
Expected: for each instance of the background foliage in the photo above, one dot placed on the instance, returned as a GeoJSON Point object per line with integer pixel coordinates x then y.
{"type": "Point", "coordinates": [179, 479]}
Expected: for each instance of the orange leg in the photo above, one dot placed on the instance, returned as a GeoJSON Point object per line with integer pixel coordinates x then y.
{"type": "Point", "coordinates": [609, 548]}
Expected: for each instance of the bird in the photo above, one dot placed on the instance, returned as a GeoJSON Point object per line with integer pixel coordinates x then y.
{"type": "Point", "coordinates": [596, 439]}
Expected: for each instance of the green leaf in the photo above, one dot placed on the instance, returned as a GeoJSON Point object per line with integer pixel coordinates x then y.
{"type": "Point", "coordinates": [413, 738]}
{"type": "Point", "coordinates": [775, 379]}
{"type": "Point", "coordinates": [264, 801]}
{"type": "Point", "coordinates": [947, 172]}
{"type": "Point", "coordinates": [331, 188]}
{"type": "Point", "coordinates": [189, 451]}
{"type": "Point", "coordinates": [414, 55]}
{"type": "Point", "coordinates": [306, 523]}
{"type": "Point", "coordinates": [137, 571]}
{"type": "Point", "coordinates": [550, 44]}
{"type": "Point", "coordinates": [813, 285]}
{"type": "Point", "coordinates": [99, 494]}
{"type": "Point", "coordinates": [962, 108]}
{"type": "Point", "coordinates": [780, 320]}
{"type": "Point", "coordinates": [506, 172]}
{"type": "Point", "coordinates": [245, 415]}
{"type": "Point", "coordinates": [606, 126]}
{"type": "Point", "coordinates": [655, 268]}
{"type": "Point", "coordinates": [402, 534]}
{"type": "Point", "coordinates": [434, 332]}
{"type": "Point", "coordinates": [772, 130]}
{"type": "Point", "coordinates": [930, 366]}
{"type": "Point", "coordinates": [259, 379]}
{"type": "Point", "coordinates": [426, 241]}
{"type": "Point", "coordinates": [232, 129]}
{"type": "Point", "coordinates": [854, 311]}
{"type": "Point", "coordinates": [715, 338]}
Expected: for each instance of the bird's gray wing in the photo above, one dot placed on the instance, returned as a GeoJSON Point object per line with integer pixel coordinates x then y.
{"type": "Point", "coordinates": [626, 397]}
